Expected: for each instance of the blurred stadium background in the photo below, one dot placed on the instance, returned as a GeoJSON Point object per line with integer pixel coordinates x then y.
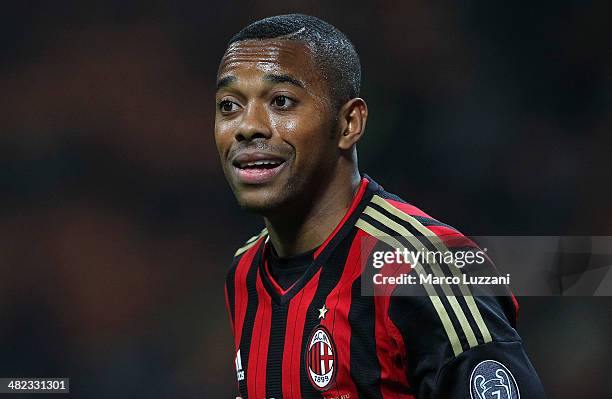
{"type": "Point", "coordinates": [117, 226]}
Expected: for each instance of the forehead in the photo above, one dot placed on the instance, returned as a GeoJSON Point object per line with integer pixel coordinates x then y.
{"type": "Point", "coordinates": [271, 56]}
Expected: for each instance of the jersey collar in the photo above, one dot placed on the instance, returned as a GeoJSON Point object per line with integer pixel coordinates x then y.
{"type": "Point", "coordinates": [364, 194]}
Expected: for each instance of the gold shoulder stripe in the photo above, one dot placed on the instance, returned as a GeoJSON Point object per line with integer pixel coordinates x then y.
{"type": "Point", "coordinates": [417, 245]}
{"type": "Point", "coordinates": [435, 240]}
{"type": "Point", "coordinates": [431, 292]}
{"type": "Point", "coordinates": [251, 242]}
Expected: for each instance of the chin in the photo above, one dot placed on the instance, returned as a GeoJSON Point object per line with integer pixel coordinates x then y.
{"type": "Point", "coordinates": [268, 201]}
{"type": "Point", "coordinates": [263, 205]}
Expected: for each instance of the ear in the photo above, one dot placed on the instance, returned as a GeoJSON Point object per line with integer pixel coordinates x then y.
{"type": "Point", "coordinates": [352, 118]}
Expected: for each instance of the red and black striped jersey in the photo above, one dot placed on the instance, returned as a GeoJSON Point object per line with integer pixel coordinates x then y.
{"type": "Point", "coordinates": [323, 338]}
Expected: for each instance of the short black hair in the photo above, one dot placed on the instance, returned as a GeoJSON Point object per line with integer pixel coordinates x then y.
{"type": "Point", "coordinates": [332, 50]}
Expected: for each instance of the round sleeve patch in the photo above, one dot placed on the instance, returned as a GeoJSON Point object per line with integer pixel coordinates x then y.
{"type": "Point", "coordinates": [492, 380]}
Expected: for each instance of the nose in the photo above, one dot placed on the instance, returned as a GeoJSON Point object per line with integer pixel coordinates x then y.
{"type": "Point", "coordinates": [254, 123]}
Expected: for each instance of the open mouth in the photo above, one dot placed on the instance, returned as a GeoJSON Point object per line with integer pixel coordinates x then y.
{"type": "Point", "coordinates": [266, 164]}
{"type": "Point", "coordinates": [257, 168]}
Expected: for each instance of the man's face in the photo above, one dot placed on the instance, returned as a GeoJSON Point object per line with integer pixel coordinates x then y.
{"type": "Point", "coordinates": [274, 123]}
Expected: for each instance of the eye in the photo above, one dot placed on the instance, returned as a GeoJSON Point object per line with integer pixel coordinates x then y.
{"type": "Point", "coordinates": [227, 106]}
{"type": "Point", "coordinates": [282, 102]}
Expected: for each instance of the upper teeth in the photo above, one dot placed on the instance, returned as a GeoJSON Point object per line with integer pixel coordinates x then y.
{"type": "Point", "coordinates": [257, 163]}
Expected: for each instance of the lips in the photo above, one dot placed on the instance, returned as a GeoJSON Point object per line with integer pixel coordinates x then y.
{"type": "Point", "coordinates": [265, 164]}
{"type": "Point", "coordinates": [257, 167]}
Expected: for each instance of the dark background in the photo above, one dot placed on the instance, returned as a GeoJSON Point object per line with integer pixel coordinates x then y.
{"type": "Point", "coordinates": [116, 225]}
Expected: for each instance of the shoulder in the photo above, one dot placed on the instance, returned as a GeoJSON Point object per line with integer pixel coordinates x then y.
{"type": "Point", "coordinates": [465, 319]}
{"type": "Point", "coordinates": [250, 243]}
{"type": "Point", "coordinates": [389, 215]}
{"type": "Point", "coordinates": [245, 250]}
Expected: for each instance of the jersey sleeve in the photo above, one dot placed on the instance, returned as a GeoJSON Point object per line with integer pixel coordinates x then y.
{"type": "Point", "coordinates": [492, 370]}
{"type": "Point", "coordinates": [462, 346]}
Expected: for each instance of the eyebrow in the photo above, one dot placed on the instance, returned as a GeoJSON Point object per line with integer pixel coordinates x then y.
{"type": "Point", "coordinates": [284, 79]}
{"type": "Point", "coordinates": [226, 81]}
{"type": "Point", "coordinates": [272, 78]}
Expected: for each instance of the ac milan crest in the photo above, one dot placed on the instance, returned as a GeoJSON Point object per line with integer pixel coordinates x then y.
{"type": "Point", "coordinates": [321, 359]}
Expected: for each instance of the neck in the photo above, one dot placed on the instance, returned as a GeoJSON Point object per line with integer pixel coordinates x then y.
{"type": "Point", "coordinates": [305, 226]}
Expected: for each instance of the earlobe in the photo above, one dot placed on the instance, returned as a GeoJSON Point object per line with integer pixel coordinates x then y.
{"type": "Point", "coordinates": [354, 114]}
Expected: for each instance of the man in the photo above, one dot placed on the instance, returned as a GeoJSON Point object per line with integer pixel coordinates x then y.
{"type": "Point", "coordinates": [287, 123]}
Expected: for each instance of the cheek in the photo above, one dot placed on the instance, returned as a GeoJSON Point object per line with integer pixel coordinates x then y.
{"type": "Point", "coordinates": [302, 134]}
{"type": "Point", "coordinates": [219, 140]}
{"type": "Point", "coordinates": [223, 135]}
{"type": "Point", "coordinates": [310, 138]}
{"type": "Point", "coordinates": [288, 127]}
{"type": "Point", "coordinates": [308, 125]}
